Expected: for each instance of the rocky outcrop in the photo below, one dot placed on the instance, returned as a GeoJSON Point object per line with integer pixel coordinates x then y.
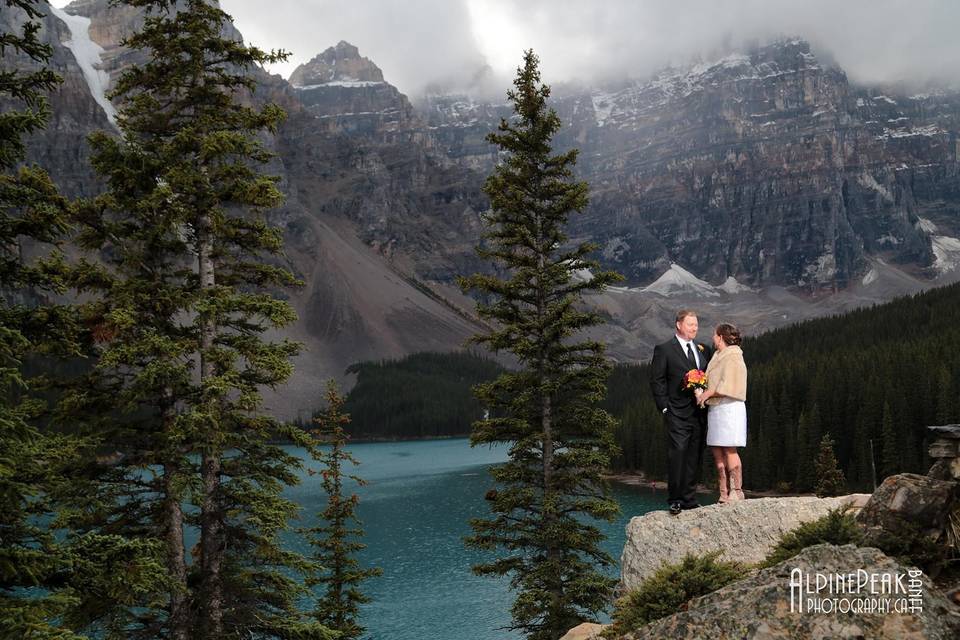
{"type": "Point", "coordinates": [909, 498]}
{"type": "Point", "coordinates": [945, 451]}
{"type": "Point", "coordinates": [111, 23]}
{"type": "Point", "coordinates": [800, 597]}
{"type": "Point", "coordinates": [347, 94]}
{"type": "Point", "coordinates": [341, 63]}
{"type": "Point", "coordinates": [744, 531]}
{"type": "Point", "coordinates": [61, 147]}
{"type": "Point", "coordinates": [585, 631]}
{"type": "Point", "coordinates": [760, 606]}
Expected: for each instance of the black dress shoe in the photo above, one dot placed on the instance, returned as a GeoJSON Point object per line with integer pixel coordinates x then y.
{"type": "Point", "coordinates": [675, 508]}
{"type": "Point", "coordinates": [690, 505]}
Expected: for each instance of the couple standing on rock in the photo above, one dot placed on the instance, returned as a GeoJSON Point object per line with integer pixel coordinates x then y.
{"type": "Point", "coordinates": [686, 416]}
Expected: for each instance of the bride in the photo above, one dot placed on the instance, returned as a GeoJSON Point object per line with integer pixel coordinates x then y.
{"type": "Point", "coordinates": [727, 417]}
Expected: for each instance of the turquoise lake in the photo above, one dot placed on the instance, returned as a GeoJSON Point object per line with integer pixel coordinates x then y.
{"type": "Point", "coordinates": [415, 509]}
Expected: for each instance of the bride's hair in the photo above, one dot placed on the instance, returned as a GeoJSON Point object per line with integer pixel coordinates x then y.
{"type": "Point", "coordinates": [729, 334]}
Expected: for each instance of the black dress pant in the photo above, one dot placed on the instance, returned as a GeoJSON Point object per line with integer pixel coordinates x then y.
{"type": "Point", "coordinates": [685, 443]}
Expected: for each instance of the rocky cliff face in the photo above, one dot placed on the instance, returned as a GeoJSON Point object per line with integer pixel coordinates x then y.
{"type": "Point", "coordinates": [765, 166]}
{"type": "Point", "coordinates": [61, 148]}
{"type": "Point", "coordinates": [348, 94]}
{"type": "Point", "coordinates": [739, 187]}
{"type": "Point", "coordinates": [351, 200]}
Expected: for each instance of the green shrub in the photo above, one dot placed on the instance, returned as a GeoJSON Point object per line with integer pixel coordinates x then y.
{"type": "Point", "coordinates": [783, 487]}
{"type": "Point", "coordinates": [907, 543]}
{"type": "Point", "coordinates": [669, 589]}
{"type": "Point", "coordinates": [837, 527]}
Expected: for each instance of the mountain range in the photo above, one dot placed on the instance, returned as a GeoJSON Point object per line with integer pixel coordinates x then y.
{"type": "Point", "coordinates": [762, 188]}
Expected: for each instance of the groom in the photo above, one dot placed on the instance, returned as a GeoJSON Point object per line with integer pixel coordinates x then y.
{"type": "Point", "coordinates": [684, 420]}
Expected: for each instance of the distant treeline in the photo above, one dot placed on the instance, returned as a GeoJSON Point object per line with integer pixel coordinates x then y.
{"type": "Point", "coordinates": [423, 395]}
{"type": "Point", "coordinates": [877, 375]}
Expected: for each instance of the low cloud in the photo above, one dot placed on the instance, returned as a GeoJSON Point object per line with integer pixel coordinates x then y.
{"type": "Point", "coordinates": [422, 42]}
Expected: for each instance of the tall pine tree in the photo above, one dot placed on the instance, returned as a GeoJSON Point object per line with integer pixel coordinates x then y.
{"type": "Point", "coordinates": [561, 441]}
{"type": "Point", "coordinates": [335, 538]}
{"type": "Point", "coordinates": [47, 572]}
{"type": "Point", "coordinates": [184, 298]}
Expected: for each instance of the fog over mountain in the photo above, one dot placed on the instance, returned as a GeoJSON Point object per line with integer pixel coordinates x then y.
{"type": "Point", "coordinates": [420, 42]}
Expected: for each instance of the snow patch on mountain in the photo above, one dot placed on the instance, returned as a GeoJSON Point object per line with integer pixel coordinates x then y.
{"type": "Point", "coordinates": [733, 287]}
{"type": "Point", "coordinates": [868, 181]}
{"type": "Point", "coordinates": [341, 83]}
{"type": "Point", "coordinates": [602, 107]}
{"type": "Point", "coordinates": [929, 130]}
{"type": "Point", "coordinates": [87, 53]}
{"type": "Point", "coordinates": [623, 109]}
{"type": "Point", "coordinates": [946, 251]}
{"type": "Point", "coordinates": [582, 275]}
{"type": "Point", "coordinates": [678, 280]}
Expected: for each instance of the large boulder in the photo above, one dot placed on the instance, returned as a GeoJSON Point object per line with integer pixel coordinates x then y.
{"type": "Point", "coordinates": [910, 498]}
{"type": "Point", "coordinates": [585, 631]}
{"type": "Point", "coordinates": [759, 606]}
{"type": "Point", "coordinates": [744, 531]}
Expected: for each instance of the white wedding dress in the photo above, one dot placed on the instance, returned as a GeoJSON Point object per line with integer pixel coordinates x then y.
{"type": "Point", "coordinates": [727, 423]}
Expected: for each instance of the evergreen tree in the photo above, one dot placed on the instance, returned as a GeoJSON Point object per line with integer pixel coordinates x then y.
{"type": "Point", "coordinates": [339, 571]}
{"type": "Point", "coordinates": [46, 572]}
{"type": "Point", "coordinates": [805, 456]}
{"type": "Point", "coordinates": [830, 480]}
{"type": "Point", "coordinates": [27, 88]}
{"type": "Point", "coordinates": [185, 296]}
{"type": "Point", "coordinates": [946, 397]}
{"type": "Point", "coordinates": [561, 441]}
{"type": "Point", "coordinates": [890, 457]}
{"type": "Point", "coordinates": [808, 432]}
{"type": "Point", "coordinates": [420, 395]}
{"type": "Point", "coordinates": [845, 367]}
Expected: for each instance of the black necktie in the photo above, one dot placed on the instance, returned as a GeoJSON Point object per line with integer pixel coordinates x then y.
{"type": "Point", "coordinates": [691, 357]}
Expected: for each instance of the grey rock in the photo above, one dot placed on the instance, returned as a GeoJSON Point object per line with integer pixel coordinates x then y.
{"type": "Point", "coordinates": [340, 63]}
{"type": "Point", "coordinates": [744, 531]}
{"type": "Point", "coordinates": [908, 497]}
{"type": "Point", "coordinates": [767, 166]}
{"type": "Point", "coordinates": [759, 606]}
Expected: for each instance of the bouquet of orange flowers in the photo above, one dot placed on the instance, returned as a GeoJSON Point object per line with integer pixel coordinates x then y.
{"type": "Point", "coordinates": [695, 380]}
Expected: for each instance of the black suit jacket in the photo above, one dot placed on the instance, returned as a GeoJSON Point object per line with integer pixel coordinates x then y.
{"type": "Point", "coordinates": [668, 367]}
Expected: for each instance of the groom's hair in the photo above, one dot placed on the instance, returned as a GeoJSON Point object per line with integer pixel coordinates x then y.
{"type": "Point", "coordinates": [683, 313]}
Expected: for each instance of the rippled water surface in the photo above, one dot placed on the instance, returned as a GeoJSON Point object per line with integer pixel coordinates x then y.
{"type": "Point", "coordinates": [415, 509]}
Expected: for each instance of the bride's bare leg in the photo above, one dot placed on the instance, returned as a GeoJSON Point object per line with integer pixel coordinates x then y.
{"type": "Point", "coordinates": [735, 469]}
{"type": "Point", "coordinates": [718, 460]}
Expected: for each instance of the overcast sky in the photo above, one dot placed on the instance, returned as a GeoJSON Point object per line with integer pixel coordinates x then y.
{"type": "Point", "coordinates": [418, 42]}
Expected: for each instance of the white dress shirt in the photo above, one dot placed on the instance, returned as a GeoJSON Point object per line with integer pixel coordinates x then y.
{"type": "Point", "coordinates": [696, 351]}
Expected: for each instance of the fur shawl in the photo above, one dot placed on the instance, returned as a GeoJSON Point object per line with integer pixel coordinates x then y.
{"type": "Point", "coordinates": [727, 375]}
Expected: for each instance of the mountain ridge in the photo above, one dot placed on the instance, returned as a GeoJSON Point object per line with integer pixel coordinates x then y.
{"type": "Point", "coordinates": [850, 197]}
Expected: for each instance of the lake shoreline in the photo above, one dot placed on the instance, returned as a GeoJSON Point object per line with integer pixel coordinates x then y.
{"type": "Point", "coordinates": [639, 479]}
{"type": "Point", "coordinates": [364, 439]}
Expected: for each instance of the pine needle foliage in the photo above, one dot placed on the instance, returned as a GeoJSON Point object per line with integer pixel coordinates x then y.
{"type": "Point", "coordinates": [191, 272]}
{"type": "Point", "coordinates": [547, 410]}
{"type": "Point", "coordinates": [336, 538]}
